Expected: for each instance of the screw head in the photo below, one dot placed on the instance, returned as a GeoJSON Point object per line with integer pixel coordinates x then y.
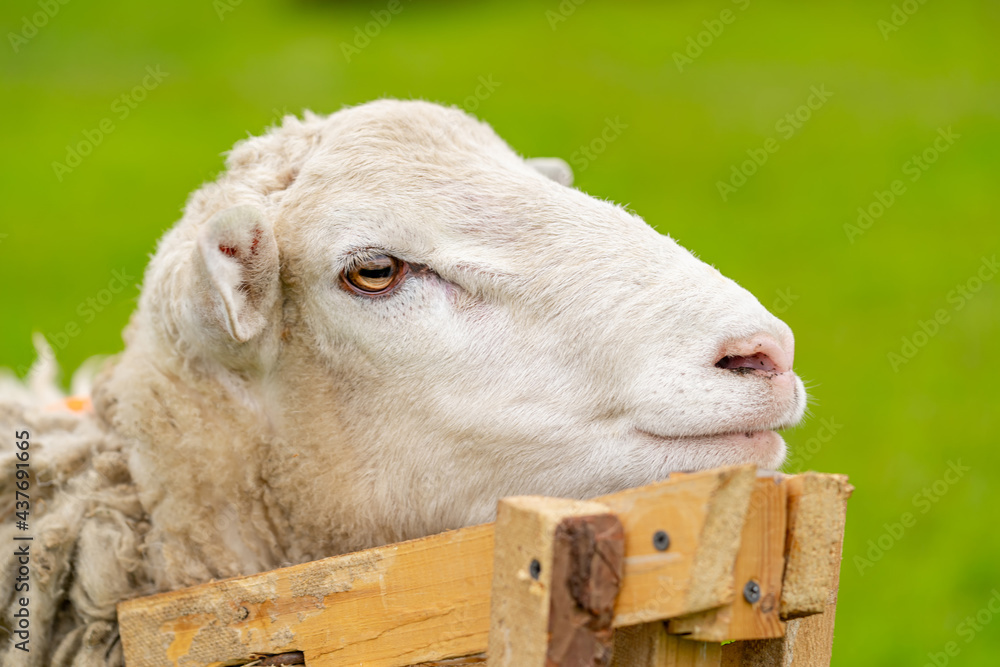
{"type": "Point", "coordinates": [661, 541]}
{"type": "Point", "coordinates": [535, 569]}
{"type": "Point", "coordinates": [751, 592]}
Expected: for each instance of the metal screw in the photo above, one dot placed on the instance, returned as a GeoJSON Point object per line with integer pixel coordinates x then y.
{"type": "Point", "coordinates": [535, 569]}
{"type": "Point", "coordinates": [661, 540]}
{"type": "Point", "coordinates": [751, 592]}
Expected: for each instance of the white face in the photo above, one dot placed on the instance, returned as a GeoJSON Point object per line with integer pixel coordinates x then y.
{"type": "Point", "coordinates": [538, 340]}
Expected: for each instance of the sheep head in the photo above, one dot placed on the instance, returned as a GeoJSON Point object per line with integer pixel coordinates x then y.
{"type": "Point", "coordinates": [377, 323]}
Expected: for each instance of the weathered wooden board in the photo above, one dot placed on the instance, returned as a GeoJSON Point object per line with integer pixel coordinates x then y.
{"type": "Point", "coordinates": [649, 645]}
{"type": "Point", "coordinates": [817, 511]}
{"type": "Point", "coordinates": [428, 599]}
{"type": "Point", "coordinates": [702, 516]}
{"type": "Point", "coordinates": [754, 614]}
{"type": "Point", "coordinates": [557, 569]}
{"type": "Point", "coordinates": [379, 607]}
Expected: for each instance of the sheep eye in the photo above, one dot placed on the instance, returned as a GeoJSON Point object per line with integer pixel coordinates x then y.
{"type": "Point", "coordinates": [376, 275]}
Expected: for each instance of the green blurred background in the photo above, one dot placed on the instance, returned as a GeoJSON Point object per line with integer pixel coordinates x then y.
{"type": "Point", "coordinates": [558, 74]}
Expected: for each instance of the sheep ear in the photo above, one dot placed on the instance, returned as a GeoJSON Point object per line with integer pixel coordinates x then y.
{"type": "Point", "coordinates": [240, 256]}
{"type": "Point", "coordinates": [552, 167]}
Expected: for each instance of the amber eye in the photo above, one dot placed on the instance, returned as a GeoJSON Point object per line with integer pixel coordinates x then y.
{"type": "Point", "coordinates": [376, 275]}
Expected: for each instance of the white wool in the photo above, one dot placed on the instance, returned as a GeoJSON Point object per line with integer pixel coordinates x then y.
{"type": "Point", "coordinates": [87, 526]}
{"type": "Point", "coordinates": [262, 415]}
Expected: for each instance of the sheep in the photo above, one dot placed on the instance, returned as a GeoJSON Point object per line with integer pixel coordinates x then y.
{"type": "Point", "coordinates": [372, 326]}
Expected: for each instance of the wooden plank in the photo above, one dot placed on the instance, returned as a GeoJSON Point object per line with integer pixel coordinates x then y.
{"type": "Point", "coordinates": [402, 604]}
{"type": "Point", "coordinates": [649, 645]}
{"type": "Point", "coordinates": [817, 514]}
{"type": "Point", "coordinates": [702, 515]}
{"type": "Point", "coordinates": [428, 599]}
{"type": "Point", "coordinates": [701, 582]}
{"type": "Point", "coordinates": [758, 572]}
{"type": "Point", "coordinates": [557, 568]}
{"type": "Point", "coordinates": [811, 643]}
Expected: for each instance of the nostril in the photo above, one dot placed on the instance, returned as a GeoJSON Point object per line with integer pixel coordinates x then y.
{"type": "Point", "coordinates": [759, 361]}
{"type": "Point", "coordinates": [760, 353]}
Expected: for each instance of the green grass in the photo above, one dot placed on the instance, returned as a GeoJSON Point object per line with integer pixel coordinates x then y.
{"type": "Point", "coordinates": [782, 232]}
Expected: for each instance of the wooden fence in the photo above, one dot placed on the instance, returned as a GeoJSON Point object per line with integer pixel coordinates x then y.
{"type": "Point", "coordinates": [655, 576]}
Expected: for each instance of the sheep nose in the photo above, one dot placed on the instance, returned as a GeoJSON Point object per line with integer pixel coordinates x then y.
{"type": "Point", "coordinates": [762, 353]}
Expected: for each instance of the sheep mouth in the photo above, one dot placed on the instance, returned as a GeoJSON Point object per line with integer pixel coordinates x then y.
{"type": "Point", "coordinates": [721, 435]}
{"type": "Point", "coordinates": [765, 448]}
